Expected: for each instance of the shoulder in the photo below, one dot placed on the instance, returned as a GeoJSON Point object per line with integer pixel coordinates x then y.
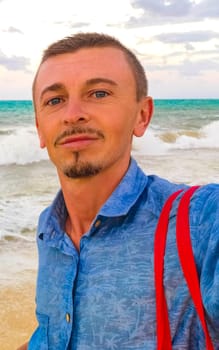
{"type": "Point", "coordinates": [205, 239]}
{"type": "Point", "coordinates": [204, 223]}
{"type": "Point", "coordinates": [205, 204]}
{"type": "Point", "coordinates": [158, 191]}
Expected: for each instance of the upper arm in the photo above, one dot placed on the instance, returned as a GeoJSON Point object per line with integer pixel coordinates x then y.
{"type": "Point", "coordinates": [209, 251]}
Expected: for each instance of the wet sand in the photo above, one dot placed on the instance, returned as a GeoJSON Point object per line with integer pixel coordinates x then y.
{"type": "Point", "coordinates": [17, 294]}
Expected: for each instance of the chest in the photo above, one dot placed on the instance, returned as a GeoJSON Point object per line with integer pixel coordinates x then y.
{"type": "Point", "coordinates": [108, 289]}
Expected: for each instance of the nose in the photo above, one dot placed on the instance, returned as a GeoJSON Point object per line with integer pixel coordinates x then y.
{"type": "Point", "coordinates": [75, 113]}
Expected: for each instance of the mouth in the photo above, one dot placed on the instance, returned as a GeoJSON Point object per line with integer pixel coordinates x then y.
{"type": "Point", "coordinates": [78, 138]}
{"type": "Point", "coordinates": [77, 141]}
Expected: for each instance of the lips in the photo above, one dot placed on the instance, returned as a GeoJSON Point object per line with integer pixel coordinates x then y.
{"type": "Point", "coordinates": [77, 141]}
{"type": "Point", "coordinates": [78, 137]}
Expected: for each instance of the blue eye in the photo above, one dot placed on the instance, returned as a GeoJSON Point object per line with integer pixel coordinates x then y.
{"type": "Point", "coordinates": [54, 101]}
{"type": "Point", "coordinates": [100, 94]}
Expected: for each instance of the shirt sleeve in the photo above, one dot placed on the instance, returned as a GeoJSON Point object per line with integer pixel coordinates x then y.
{"type": "Point", "coordinates": [208, 254]}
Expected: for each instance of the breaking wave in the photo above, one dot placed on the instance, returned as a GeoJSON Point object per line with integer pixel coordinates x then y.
{"type": "Point", "coordinates": [21, 146]}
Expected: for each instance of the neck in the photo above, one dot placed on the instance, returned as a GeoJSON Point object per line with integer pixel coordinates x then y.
{"type": "Point", "coordinates": [84, 198]}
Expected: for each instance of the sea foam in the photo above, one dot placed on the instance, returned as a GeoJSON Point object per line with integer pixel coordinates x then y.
{"type": "Point", "coordinates": [207, 138]}
{"type": "Point", "coordinates": [156, 142]}
{"type": "Point", "coordinates": [21, 146]}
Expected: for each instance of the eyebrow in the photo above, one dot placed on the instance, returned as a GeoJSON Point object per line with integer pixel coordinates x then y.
{"type": "Point", "coordinates": [53, 87]}
{"type": "Point", "coordinates": [89, 82]}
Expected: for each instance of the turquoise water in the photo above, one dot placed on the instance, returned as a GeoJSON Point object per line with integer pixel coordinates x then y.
{"type": "Point", "coordinates": [188, 104]}
{"type": "Point", "coordinates": [181, 114]}
{"type": "Point", "coordinates": [16, 113]}
{"type": "Point", "coordinates": [168, 114]}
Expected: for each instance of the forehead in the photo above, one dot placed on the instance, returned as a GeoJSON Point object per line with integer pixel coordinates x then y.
{"type": "Point", "coordinates": [84, 64]}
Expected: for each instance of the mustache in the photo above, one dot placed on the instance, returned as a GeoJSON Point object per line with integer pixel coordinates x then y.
{"type": "Point", "coordinates": [79, 130]}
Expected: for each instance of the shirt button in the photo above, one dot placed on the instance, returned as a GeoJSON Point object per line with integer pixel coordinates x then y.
{"type": "Point", "coordinates": [67, 317]}
{"type": "Point", "coordinates": [97, 223]}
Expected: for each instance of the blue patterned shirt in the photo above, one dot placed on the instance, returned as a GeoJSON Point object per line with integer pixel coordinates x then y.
{"type": "Point", "coordinates": [103, 297]}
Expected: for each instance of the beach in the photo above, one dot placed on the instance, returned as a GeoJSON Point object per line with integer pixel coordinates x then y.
{"type": "Point", "coordinates": [181, 145]}
{"type": "Point", "coordinates": [17, 293]}
{"type": "Point", "coordinates": [19, 322]}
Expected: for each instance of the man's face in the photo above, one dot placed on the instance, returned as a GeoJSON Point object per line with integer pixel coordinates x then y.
{"type": "Point", "coordinates": [87, 112]}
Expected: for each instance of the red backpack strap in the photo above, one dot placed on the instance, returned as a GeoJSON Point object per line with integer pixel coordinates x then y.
{"type": "Point", "coordinates": [188, 266]}
{"type": "Point", "coordinates": [163, 327]}
{"type": "Point", "coordinates": [187, 259]}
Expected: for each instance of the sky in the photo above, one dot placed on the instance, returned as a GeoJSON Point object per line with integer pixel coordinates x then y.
{"type": "Point", "coordinates": [177, 41]}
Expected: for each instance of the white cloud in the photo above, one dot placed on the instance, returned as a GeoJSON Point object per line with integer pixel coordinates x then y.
{"type": "Point", "coordinates": [165, 8]}
{"type": "Point", "coordinates": [190, 68]}
{"type": "Point", "coordinates": [207, 9]}
{"type": "Point", "coordinates": [189, 47]}
{"type": "Point", "coordinates": [185, 66]}
{"type": "Point", "coordinates": [172, 84]}
{"type": "Point", "coordinates": [77, 25]}
{"type": "Point", "coordinates": [173, 11]}
{"type": "Point", "coordinates": [187, 37]}
{"type": "Point", "coordinates": [14, 62]}
{"type": "Point", "coordinates": [12, 30]}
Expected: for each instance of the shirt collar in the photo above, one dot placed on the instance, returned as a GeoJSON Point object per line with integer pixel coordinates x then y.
{"type": "Point", "coordinates": [126, 193]}
{"type": "Point", "coordinates": [119, 203]}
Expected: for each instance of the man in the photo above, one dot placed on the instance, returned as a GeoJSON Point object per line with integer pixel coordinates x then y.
{"type": "Point", "coordinates": [95, 287]}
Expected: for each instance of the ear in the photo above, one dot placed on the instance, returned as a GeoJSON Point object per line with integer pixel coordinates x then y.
{"type": "Point", "coordinates": [144, 116]}
{"type": "Point", "coordinates": [41, 138]}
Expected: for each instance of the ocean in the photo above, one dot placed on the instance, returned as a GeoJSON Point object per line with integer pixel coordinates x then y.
{"type": "Point", "coordinates": [181, 144]}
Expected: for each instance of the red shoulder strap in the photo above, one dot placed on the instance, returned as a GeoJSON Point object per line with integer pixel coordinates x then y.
{"type": "Point", "coordinates": [186, 259]}
{"type": "Point", "coordinates": [163, 327]}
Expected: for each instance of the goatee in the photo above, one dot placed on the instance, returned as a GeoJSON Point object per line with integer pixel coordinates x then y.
{"type": "Point", "coordinates": [81, 169]}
